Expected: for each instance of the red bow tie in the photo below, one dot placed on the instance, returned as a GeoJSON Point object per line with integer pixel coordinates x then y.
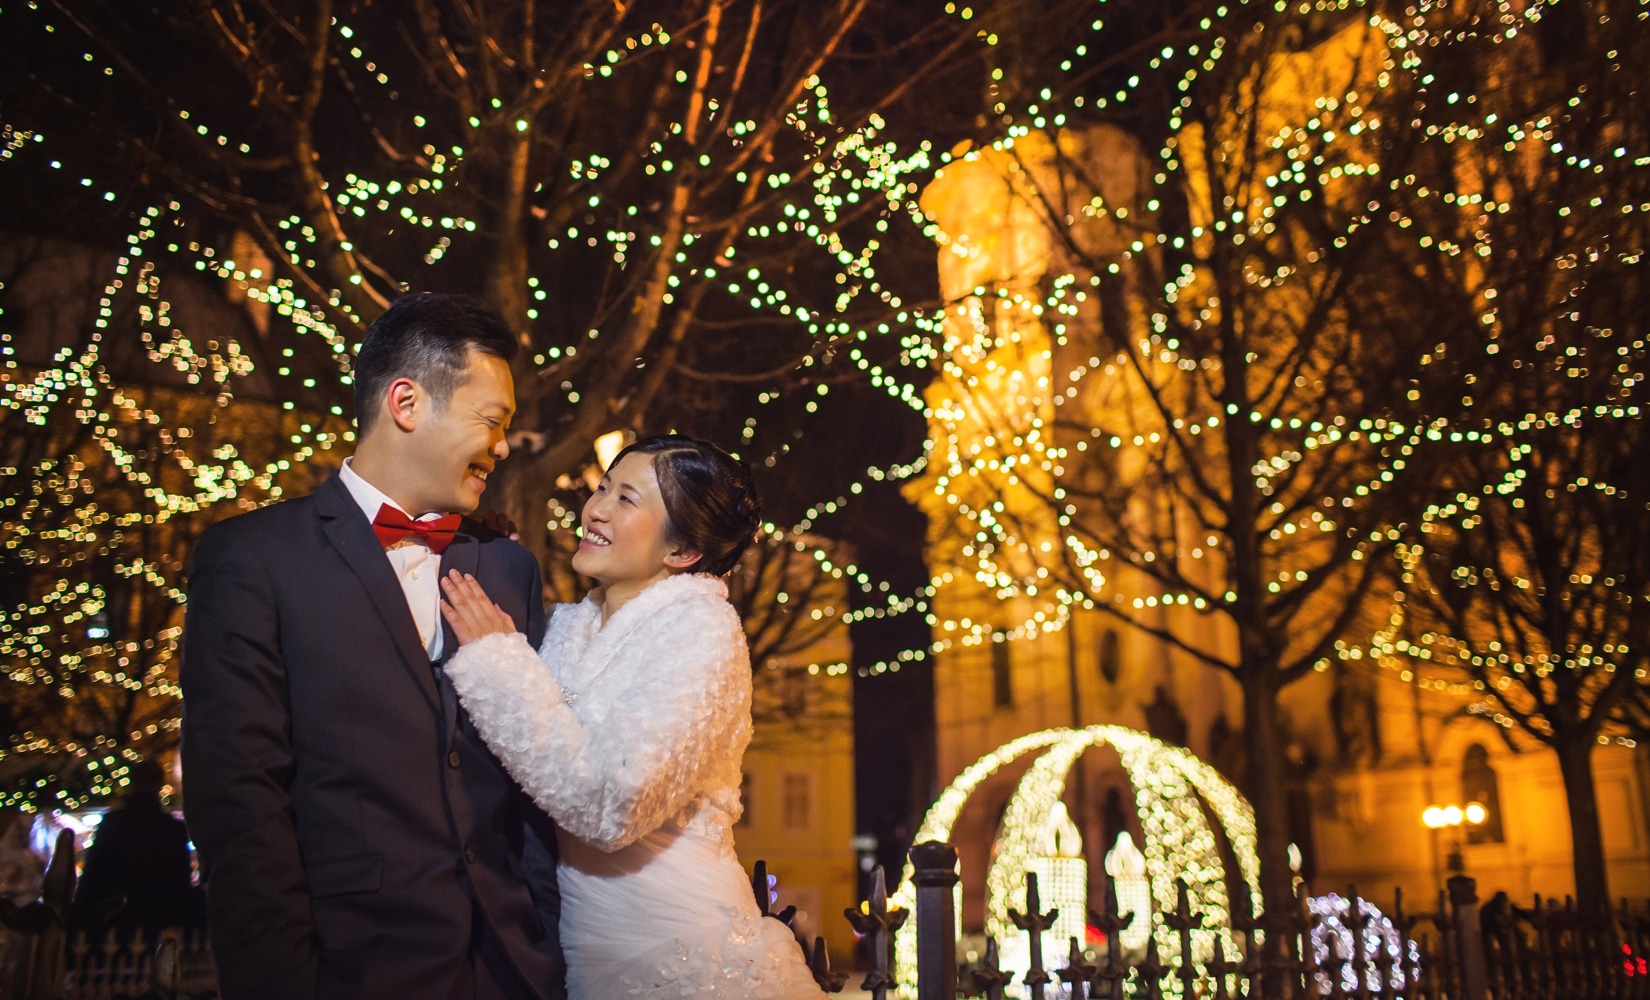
{"type": "Point", "coordinates": [391, 526]}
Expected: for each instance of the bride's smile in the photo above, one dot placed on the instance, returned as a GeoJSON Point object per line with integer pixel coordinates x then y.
{"type": "Point", "coordinates": [627, 541]}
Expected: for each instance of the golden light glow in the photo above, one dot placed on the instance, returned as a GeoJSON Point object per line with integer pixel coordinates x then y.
{"type": "Point", "coordinates": [1127, 867]}
{"type": "Point", "coordinates": [1452, 815]}
{"type": "Point", "coordinates": [609, 445]}
{"type": "Point", "coordinates": [1171, 787]}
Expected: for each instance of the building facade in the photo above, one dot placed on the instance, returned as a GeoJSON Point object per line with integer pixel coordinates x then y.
{"type": "Point", "coordinates": [1369, 744]}
{"type": "Point", "coordinates": [798, 786]}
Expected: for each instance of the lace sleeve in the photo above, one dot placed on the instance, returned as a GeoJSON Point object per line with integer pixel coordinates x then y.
{"type": "Point", "coordinates": [684, 710]}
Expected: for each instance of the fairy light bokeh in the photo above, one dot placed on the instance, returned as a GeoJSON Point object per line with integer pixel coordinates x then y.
{"type": "Point", "coordinates": [1172, 790]}
{"type": "Point", "coordinates": [811, 196]}
{"type": "Point", "coordinates": [1092, 358]}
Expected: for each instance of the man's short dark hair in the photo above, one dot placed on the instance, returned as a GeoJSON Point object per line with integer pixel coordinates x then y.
{"type": "Point", "coordinates": [425, 337]}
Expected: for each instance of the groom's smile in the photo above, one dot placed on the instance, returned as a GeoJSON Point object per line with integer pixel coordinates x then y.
{"type": "Point", "coordinates": [459, 446]}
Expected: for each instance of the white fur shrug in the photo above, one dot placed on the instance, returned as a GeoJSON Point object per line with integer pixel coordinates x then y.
{"type": "Point", "coordinates": [616, 730]}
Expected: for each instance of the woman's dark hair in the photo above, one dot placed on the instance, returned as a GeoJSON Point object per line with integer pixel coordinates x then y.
{"type": "Point", "coordinates": [427, 338]}
{"type": "Point", "coordinates": [708, 496]}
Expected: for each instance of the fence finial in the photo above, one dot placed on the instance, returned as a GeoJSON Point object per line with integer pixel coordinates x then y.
{"type": "Point", "coordinates": [1078, 972]}
{"type": "Point", "coordinates": [1184, 921]}
{"type": "Point", "coordinates": [1150, 973]}
{"type": "Point", "coordinates": [760, 886]}
{"type": "Point", "coordinates": [1035, 922]}
{"type": "Point", "coordinates": [1109, 977]}
{"type": "Point", "coordinates": [874, 919]}
{"type": "Point", "coordinates": [819, 963]}
{"type": "Point", "coordinates": [986, 977]}
{"type": "Point", "coordinates": [1219, 968]}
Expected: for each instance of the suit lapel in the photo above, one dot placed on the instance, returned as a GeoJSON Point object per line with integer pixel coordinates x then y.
{"type": "Point", "coordinates": [351, 534]}
{"type": "Point", "coordinates": [464, 555]}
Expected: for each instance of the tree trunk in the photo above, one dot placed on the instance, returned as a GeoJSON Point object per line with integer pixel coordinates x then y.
{"type": "Point", "coordinates": [1575, 763]}
{"type": "Point", "coordinates": [526, 493]}
{"type": "Point", "coordinates": [1268, 794]}
{"type": "Point", "coordinates": [517, 488]}
{"type": "Point", "coordinates": [507, 280]}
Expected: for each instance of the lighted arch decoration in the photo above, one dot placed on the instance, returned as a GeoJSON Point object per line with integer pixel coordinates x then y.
{"type": "Point", "coordinates": [1168, 783]}
{"type": "Point", "coordinates": [1334, 915]}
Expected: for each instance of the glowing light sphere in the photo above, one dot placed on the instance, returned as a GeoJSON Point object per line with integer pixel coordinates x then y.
{"type": "Point", "coordinates": [1333, 912]}
{"type": "Point", "coordinates": [1172, 788]}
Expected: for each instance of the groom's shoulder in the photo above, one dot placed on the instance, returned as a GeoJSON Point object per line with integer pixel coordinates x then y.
{"type": "Point", "coordinates": [497, 546]}
{"type": "Point", "coordinates": [280, 520]}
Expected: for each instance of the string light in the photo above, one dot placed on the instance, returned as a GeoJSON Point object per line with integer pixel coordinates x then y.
{"type": "Point", "coordinates": [1333, 917]}
{"type": "Point", "coordinates": [1170, 786]}
{"type": "Point", "coordinates": [1102, 357]}
{"type": "Point", "coordinates": [822, 194]}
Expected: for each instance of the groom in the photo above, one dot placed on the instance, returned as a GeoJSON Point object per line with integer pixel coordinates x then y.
{"type": "Point", "coordinates": [357, 838]}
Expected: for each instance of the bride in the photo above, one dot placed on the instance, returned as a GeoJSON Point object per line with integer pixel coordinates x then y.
{"type": "Point", "coordinates": [628, 728]}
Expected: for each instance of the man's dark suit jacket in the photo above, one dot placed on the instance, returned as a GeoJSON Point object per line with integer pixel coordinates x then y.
{"type": "Point", "coordinates": [357, 837]}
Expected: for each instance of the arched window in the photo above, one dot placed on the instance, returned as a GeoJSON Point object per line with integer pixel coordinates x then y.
{"type": "Point", "coordinates": [1110, 659]}
{"type": "Point", "coordinates": [1479, 784]}
{"type": "Point", "coordinates": [1002, 673]}
{"type": "Point", "coordinates": [1164, 719]}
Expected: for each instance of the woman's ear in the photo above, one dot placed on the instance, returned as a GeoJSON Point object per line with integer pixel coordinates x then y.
{"type": "Point", "coordinates": [681, 560]}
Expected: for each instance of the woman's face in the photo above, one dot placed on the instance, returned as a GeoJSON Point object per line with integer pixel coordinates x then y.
{"type": "Point", "coordinates": [626, 529]}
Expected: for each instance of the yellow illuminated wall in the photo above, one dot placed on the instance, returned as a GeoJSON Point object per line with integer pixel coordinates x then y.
{"type": "Point", "coordinates": [799, 789]}
{"type": "Point", "coordinates": [1013, 657]}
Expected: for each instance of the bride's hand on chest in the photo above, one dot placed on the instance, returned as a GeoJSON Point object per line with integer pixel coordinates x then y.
{"type": "Point", "coordinates": [469, 610]}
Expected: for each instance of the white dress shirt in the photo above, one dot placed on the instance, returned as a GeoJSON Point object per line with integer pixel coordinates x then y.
{"type": "Point", "coordinates": [418, 569]}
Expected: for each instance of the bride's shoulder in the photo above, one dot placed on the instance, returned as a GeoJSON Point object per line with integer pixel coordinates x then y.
{"type": "Point", "coordinates": [691, 602]}
{"type": "Point", "coordinates": [563, 621]}
{"type": "Point", "coordinates": [682, 617]}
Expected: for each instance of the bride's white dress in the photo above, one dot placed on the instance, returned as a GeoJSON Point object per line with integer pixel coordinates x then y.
{"type": "Point", "coordinates": [630, 735]}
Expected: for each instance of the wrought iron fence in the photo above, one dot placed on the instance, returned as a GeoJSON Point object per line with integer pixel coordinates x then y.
{"type": "Point", "coordinates": [1328, 948]}
{"type": "Point", "coordinates": [42, 958]}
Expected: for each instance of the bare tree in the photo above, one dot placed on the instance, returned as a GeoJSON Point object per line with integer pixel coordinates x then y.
{"type": "Point", "coordinates": [682, 209]}
{"type": "Point", "coordinates": [1253, 300]}
{"type": "Point", "coordinates": [798, 641]}
{"type": "Point", "coordinates": [1204, 439]}
{"type": "Point", "coordinates": [93, 568]}
{"type": "Point", "coordinates": [663, 199]}
{"type": "Point", "coordinates": [1529, 557]}
{"type": "Point", "coordinates": [1531, 580]}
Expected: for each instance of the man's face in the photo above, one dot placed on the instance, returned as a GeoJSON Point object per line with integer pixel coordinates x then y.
{"type": "Point", "coordinates": [456, 448]}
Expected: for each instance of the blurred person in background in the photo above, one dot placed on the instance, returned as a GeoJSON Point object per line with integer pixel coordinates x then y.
{"type": "Point", "coordinates": [141, 855]}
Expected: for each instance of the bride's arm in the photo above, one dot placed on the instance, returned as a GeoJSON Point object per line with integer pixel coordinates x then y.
{"type": "Point", "coordinates": [686, 708]}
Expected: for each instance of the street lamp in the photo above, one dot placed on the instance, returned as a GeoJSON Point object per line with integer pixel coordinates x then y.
{"type": "Point", "coordinates": [1454, 816]}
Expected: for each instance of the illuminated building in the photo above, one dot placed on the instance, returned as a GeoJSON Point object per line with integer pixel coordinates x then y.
{"type": "Point", "coordinates": [1044, 400]}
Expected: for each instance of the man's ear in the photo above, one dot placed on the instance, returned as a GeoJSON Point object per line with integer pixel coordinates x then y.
{"type": "Point", "coordinates": [401, 401]}
{"type": "Point", "coordinates": [683, 559]}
